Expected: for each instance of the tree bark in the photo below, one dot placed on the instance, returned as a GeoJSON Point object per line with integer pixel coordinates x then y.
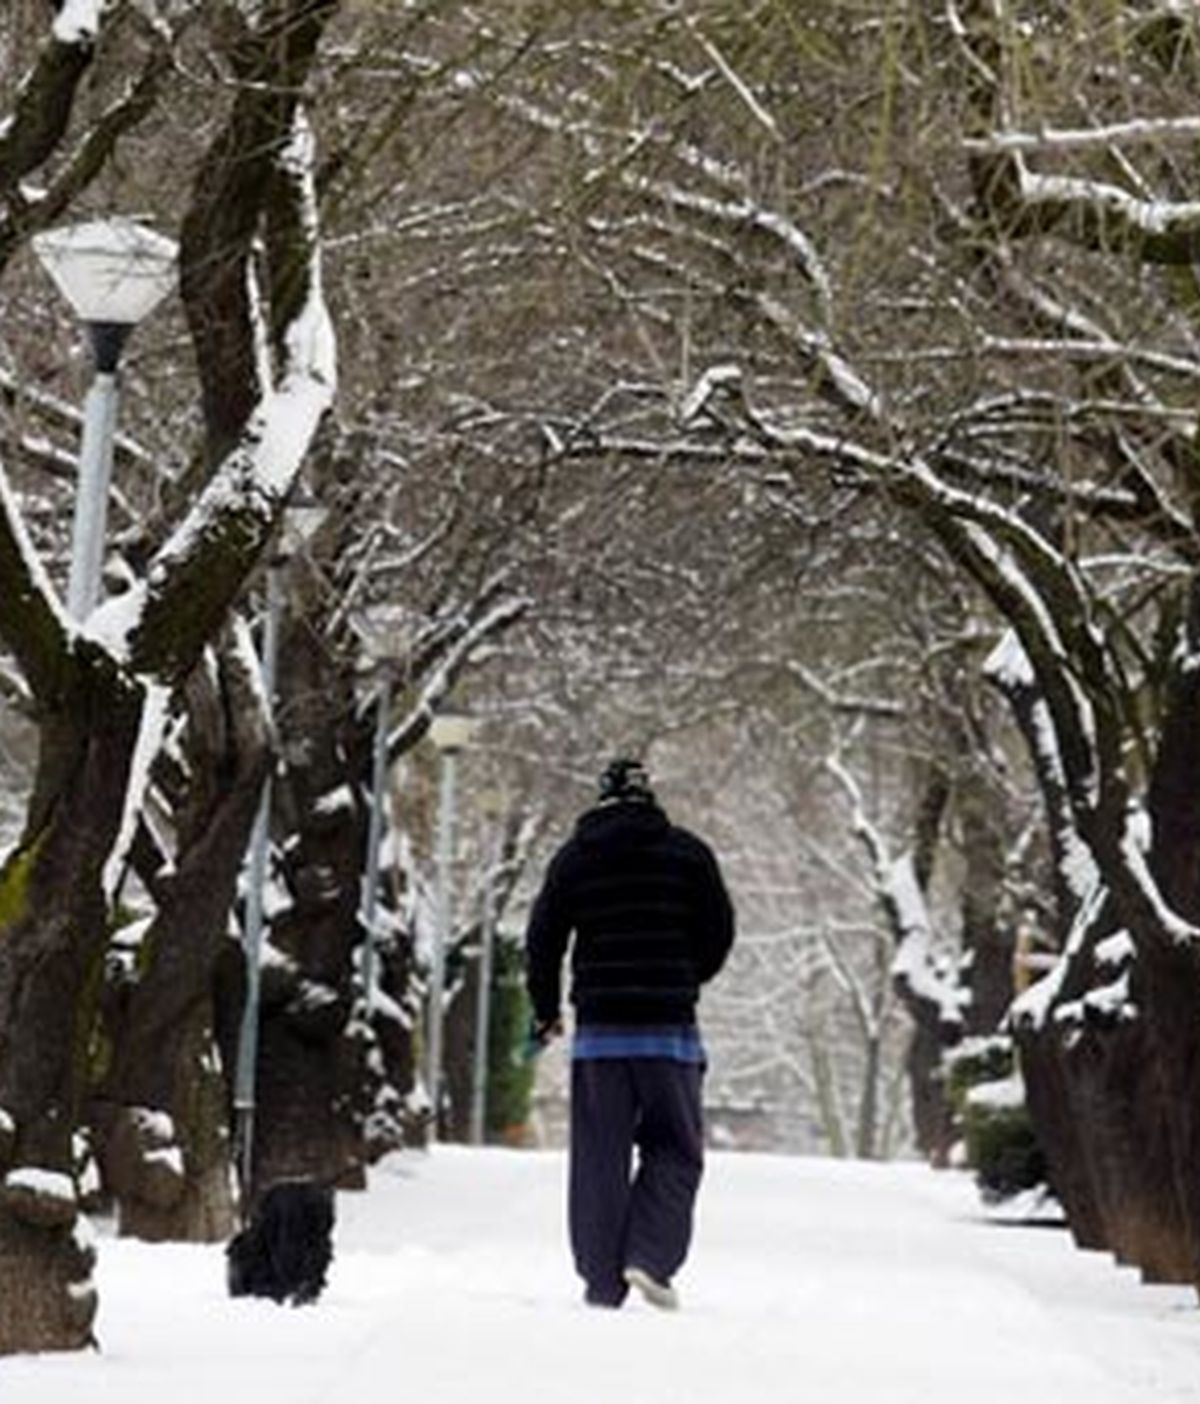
{"type": "Point", "coordinates": [162, 1103]}
{"type": "Point", "coordinates": [308, 1120]}
{"type": "Point", "coordinates": [53, 910]}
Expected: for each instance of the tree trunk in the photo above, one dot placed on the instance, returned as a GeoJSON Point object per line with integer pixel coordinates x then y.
{"type": "Point", "coordinates": [160, 1112]}
{"type": "Point", "coordinates": [1102, 1115]}
{"type": "Point", "coordinates": [53, 913]}
{"type": "Point", "coordinates": [311, 1061]}
{"type": "Point", "coordinates": [458, 1065]}
{"type": "Point", "coordinates": [988, 938]}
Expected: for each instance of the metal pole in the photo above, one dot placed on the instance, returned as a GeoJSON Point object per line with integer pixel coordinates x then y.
{"type": "Point", "coordinates": [441, 941]}
{"type": "Point", "coordinates": [483, 998]}
{"type": "Point", "coordinates": [252, 937]}
{"type": "Point", "coordinates": [370, 900]}
{"type": "Point", "coordinates": [91, 501]}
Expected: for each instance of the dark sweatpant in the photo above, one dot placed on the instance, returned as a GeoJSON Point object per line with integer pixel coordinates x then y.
{"type": "Point", "coordinates": [622, 1216]}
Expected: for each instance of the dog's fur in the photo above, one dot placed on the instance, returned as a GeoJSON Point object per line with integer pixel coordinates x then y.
{"type": "Point", "coordinates": [285, 1250]}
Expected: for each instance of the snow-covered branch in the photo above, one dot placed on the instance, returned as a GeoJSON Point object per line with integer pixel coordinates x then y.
{"type": "Point", "coordinates": [42, 113]}
{"type": "Point", "coordinates": [15, 692]}
{"type": "Point", "coordinates": [1154, 130]}
{"type": "Point", "coordinates": [162, 623]}
{"type": "Point", "coordinates": [33, 623]}
{"type": "Point", "coordinates": [921, 976]}
{"type": "Point", "coordinates": [437, 686]}
{"type": "Point", "coordinates": [1104, 216]}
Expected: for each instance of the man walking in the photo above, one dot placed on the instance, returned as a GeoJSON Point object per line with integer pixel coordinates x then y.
{"type": "Point", "coordinates": [652, 922]}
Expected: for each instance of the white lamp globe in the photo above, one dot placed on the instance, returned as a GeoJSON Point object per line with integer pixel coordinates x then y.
{"type": "Point", "coordinates": [111, 270]}
{"type": "Point", "coordinates": [451, 731]}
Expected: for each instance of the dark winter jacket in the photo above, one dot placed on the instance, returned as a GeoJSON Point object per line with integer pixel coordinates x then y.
{"type": "Point", "coordinates": [650, 915]}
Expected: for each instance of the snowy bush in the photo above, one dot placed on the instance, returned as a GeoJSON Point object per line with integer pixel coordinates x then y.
{"type": "Point", "coordinates": [1000, 1141]}
{"type": "Point", "coordinates": [987, 1096]}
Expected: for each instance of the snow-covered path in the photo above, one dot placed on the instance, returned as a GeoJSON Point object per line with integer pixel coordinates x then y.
{"type": "Point", "coordinates": [810, 1280]}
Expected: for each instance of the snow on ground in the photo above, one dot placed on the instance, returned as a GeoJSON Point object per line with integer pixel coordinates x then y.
{"type": "Point", "coordinates": [809, 1281]}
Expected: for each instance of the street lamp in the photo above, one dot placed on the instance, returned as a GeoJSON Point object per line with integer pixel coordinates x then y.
{"type": "Point", "coordinates": [449, 733]}
{"type": "Point", "coordinates": [493, 807]}
{"type": "Point", "coordinates": [374, 625]}
{"type": "Point", "coordinates": [113, 272]}
{"type": "Point", "coordinates": [302, 518]}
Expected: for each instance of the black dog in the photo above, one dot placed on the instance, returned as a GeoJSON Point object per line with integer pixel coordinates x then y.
{"type": "Point", "coordinates": [285, 1250]}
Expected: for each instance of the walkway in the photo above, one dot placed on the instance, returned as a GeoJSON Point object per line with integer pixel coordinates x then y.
{"type": "Point", "coordinates": [810, 1281]}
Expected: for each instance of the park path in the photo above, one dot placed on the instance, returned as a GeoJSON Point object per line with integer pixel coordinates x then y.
{"type": "Point", "coordinates": [810, 1281]}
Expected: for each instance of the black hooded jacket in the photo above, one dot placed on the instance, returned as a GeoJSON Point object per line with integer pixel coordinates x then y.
{"type": "Point", "coordinates": [651, 918]}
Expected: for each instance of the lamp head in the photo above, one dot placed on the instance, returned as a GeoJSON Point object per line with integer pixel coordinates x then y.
{"type": "Point", "coordinates": [451, 731]}
{"type": "Point", "coordinates": [111, 271]}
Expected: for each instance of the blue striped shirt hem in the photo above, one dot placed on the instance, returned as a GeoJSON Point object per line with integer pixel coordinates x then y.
{"type": "Point", "coordinates": [680, 1043]}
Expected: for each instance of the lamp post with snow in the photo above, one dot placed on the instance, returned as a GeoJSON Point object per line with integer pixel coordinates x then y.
{"type": "Point", "coordinates": [449, 733]}
{"type": "Point", "coordinates": [113, 272]}
{"type": "Point", "coordinates": [302, 518]}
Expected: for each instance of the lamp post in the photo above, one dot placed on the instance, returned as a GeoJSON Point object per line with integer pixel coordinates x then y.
{"type": "Point", "coordinates": [493, 808]}
{"type": "Point", "coordinates": [370, 893]}
{"type": "Point", "coordinates": [374, 625]}
{"type": "Point", "coordinates": [302, 518]}
{"type": "Point", "coordinates": [449, 733]}
{"type": "Point", "coordinates": [113, 272]}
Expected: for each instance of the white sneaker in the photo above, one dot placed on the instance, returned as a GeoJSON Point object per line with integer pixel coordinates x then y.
{"type": "Point", "coordinates": [659, 1294]}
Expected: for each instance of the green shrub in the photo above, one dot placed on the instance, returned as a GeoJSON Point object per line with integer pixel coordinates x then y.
{"type": "Point", "coordinates": [987, 1098]}
{"type": "Point", "coordinates": [1001, 1145]}
{"type": "Point", "coordinates": [510, 1069]}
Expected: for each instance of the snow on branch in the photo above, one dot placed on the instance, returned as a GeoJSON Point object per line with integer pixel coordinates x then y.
{"type": "Point", "coordinates": [916, 967]}
{"type": "Point", "coordinates": [1037, 590]}
{"type": "Point", "coordinates": [38, 123]}
{"type": "Point", "coordinates": [832, 697]}
{"type": "Point", "coordinates": [155, 715]}
{"type": "Point", "coordinates": [78, 21]}
{"type": "Point", "coordinates": [920, 974]}
{"type": "Point", "coordinates": [41, 109]}
{"type": "Point", "coordinates": [836, 379]}
{"type": "Point", "coordinates": [1105, 216]}
{"type": "Point", "coordinates": [161, 624]}
{"type": "Point", "coordinates": [1135, 130]}
{"type": "Point", "coordinates": [734, 79]}
{"type": "Point", "coordinates": [33, 622]}
{"type": "Point", "coordinates": [15, 692]}
{"type": "Point", "coordinates": [88, 157]}
{"type": "Point", "coordinates": [738, 211]}
{"type": "Point", "coordinates": [1008, 669]}
{"type": "Point", "coordinates": [437, 686]}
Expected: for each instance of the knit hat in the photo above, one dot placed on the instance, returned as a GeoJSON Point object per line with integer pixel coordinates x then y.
{"type": "Point", "coordinates": [626, 779]}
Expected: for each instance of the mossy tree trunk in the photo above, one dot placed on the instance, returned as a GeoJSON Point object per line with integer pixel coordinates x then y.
{"type": "Point", "coordinates": [53, 915]}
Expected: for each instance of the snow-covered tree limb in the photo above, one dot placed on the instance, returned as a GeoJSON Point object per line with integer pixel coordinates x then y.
{"type": "Point", "coordinates": [33, 622]}
{"type": "Point", "coordinates": [244, 170]}
{"type": "Point", "coordinates": [438, 684]}
{"type": "Point", "coordinates": [15, 692]}
{"type": "Point", "coordinates": [162, 623]}
{"type": "Point", "coordinates": [1154, 130]}
{"type": "Point", "coordinates": [921, 978]}
{"type": "Point", "coordinates": [39, 124]}
{"type": "Point", "coordinates": [43, 104]}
